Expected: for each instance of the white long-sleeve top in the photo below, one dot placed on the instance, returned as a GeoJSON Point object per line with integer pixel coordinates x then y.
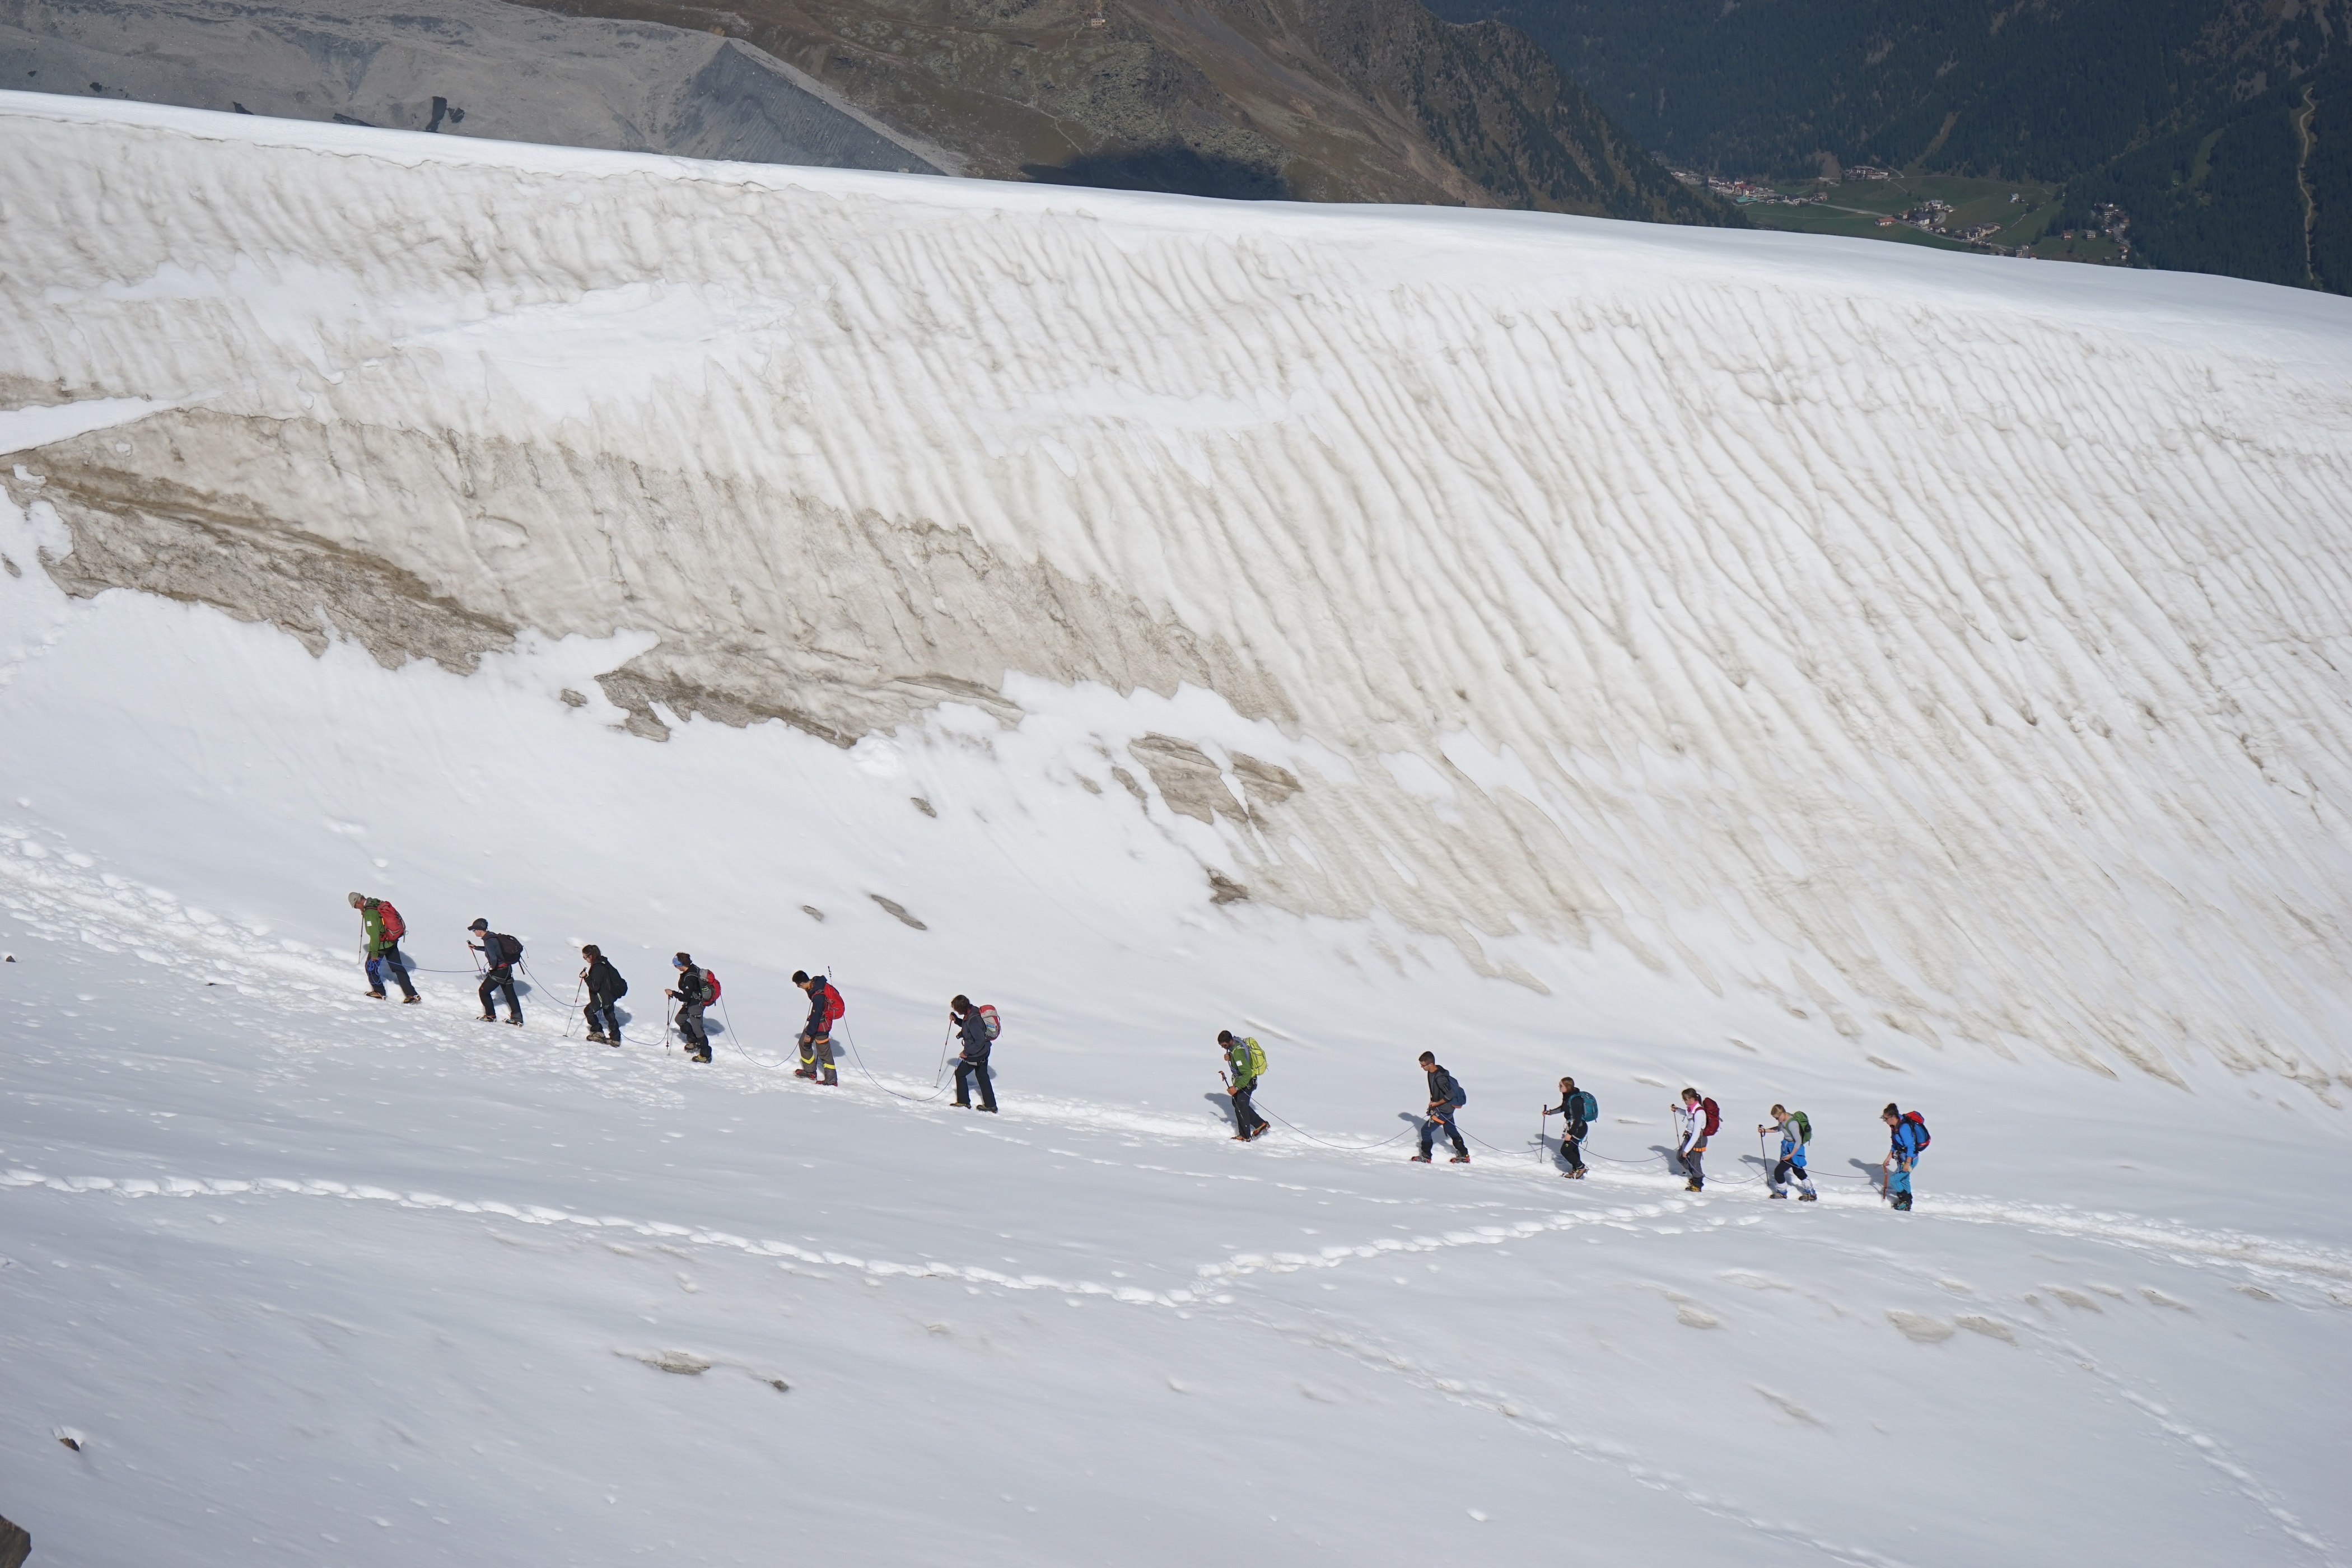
{"type": "Point", "coordinates": [1692, 1121]}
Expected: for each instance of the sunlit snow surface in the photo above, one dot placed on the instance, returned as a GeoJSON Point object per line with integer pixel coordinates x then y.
{"type": "Point", "coordinates": [311, 1278]}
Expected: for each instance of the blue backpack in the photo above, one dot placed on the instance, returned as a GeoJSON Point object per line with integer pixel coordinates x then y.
{"type": "Point", "coordinates": [1586, 1108]}
{"type": "Point", "coordinates": [1461, 1095]}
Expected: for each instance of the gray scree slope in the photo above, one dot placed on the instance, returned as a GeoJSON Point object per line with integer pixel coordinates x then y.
{"type": "Point", "coordinates": [464, 68]}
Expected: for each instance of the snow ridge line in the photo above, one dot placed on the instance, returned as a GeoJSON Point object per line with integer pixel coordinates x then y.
{"type": "Point", "coordinates": [539, 1213]}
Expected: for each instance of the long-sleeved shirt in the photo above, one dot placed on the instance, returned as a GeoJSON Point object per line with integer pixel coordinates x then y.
{"type": "Point", "coordinates": [974, 1030]}
{"type": "Point", "coordinates": [1571, 1105]}
{"type": "Point", "coordinates": [1904, 1146]}
{"type": "Point", "coordinates": [1440, 1090]}
{"type": "Point", "coordinates": [493, 949]}
{"type": "Point", "coordinates": [692, 991]}
{"type": "Point", "coordinates": [820, 995]}
{"type": "Point", "coordinates": [1692, 1121]}
{"type": "Point", "coordinates": [372, 927]}
{"type": "Point", "coordinates": [603, 980]}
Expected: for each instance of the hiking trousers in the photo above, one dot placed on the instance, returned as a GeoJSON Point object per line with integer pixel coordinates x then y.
{"type": "Point", "coordinates": [604, 1019]}
{"type": "Point", "coordinates": [689, 1025]}
{"type": "Point", "coordinates": [1789, 1165]}
{"type": "Point", "coordinates": [817, 1057]}
{"type": "Point", "coordinates": [1444, 1118]}
{"type": "Point", "coordinates": [393, 961]}
{"type": "Point", "coordinates": [500, 979]}
{"type": "Point", "coordinates": [968, 1072]}
{"type": "Point", "coordinates": [1571, 1146]}
{"type": "Point", "coordinates": [1694, 1161]}
{"type": "Point", "coordinates": [1248, 1123]}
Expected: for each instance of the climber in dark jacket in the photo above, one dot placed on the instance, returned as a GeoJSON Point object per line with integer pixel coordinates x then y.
{"type": "Point", "coordinates": [973, 1065]}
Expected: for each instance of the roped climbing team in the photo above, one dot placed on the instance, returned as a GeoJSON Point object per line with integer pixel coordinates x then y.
{"type": "Point", "coordinates": [1698, 1117]}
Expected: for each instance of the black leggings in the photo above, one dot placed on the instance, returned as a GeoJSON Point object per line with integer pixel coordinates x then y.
{"type": "Point", "coordinates": [1571, 1146]}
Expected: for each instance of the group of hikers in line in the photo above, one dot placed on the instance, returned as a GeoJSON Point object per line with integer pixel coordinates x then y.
{"type": "Point", "coordinates": [1698, 1117]}
{"type": "Point", "coordinates": [1696, 1120]}
{"type": "Point", "coordinates": [695, 990]}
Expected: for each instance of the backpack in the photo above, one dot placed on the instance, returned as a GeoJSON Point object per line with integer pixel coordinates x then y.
{"type": "Point", "coordinates": [1586, 1108]}
{"type": "Point", "coordinates": [988, 1017]}
{"type": "Point", "coordinates": [620, 986]}
{"type": "Point", "coordinates": [1254, 1055]}
{"type": "Point", "coordinates": [1714, 1118]}
{"type": "Point", "coordinates": [1804, 1127]}
{"type": "Point", "coordinates": [834, 1006]}
{"type": "Point", "coordinates": [1919, 1124]}
{"type": "Point", "coordinates": [711, 987]}
{"type": "Point", "coordinates": [1461, 1096]}
{"type": "Point", "coordinates": [394, 928]}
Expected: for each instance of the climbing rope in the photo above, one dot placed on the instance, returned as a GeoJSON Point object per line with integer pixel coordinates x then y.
{"type": "Point", "coordinates": [1346, 1148]}
{"type": "Point", "coordinates": [736, 1044]}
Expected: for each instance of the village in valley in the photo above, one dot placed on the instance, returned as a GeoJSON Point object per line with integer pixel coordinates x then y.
{"type": "Point", "coordinates": [1999, 217]}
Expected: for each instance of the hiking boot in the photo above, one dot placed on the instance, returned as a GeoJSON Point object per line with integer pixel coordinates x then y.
{"type": "Point", "coordinates": [1420, 1159]}
{"type": "Point", "coordinates": [1577, 1174]}
{"type": "Point", "coordinates": [595, 1036]}
{"type": "Point", "coordinates": [702, 1056]}
{"type": "Point", "coordinates": [1693, 1187]}
{"type": "Point", "coordinates": [803, 1072]}
{"type": "Point", "coordinates": [1809, 1197]}
{"type": "Point", "coordinates": [1241, 1137]}
{"type": "Point", "coordinates": [488, 1018]}
{"type": "Point", "coordinates": [828, 1081]}
{"type": "Point", "coordinates": [377, 994]}
{"type": "Point", "coordinates": [516, 1020]}
{"type": "Point", "coordinates": [1459, 1160]}
{"type": "Point", "coordinates": [1776, 1195]}
{"type": "Point", "coordinates": [411, 1000]}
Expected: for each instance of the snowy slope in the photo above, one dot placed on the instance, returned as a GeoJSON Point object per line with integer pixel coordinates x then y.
{"type": "Point", "coordinates": [1434, 542]}
{"type": "Point", "coordinates": [1946, 649]}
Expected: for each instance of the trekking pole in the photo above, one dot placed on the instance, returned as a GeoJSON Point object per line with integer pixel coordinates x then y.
{"type": "Point", "coordinates": [575, 1006]}
{"type": "Point", "coordinates": [940, 1071]}
{"type": "Point", "coordinates": [1540, 1118]}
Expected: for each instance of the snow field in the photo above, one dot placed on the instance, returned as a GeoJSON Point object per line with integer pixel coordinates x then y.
{"type": "Point", "coordinates": [319, 1279]}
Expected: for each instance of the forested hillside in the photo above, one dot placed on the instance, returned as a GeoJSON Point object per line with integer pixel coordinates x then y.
{"type": "Point", "coordinates": [2218, 125]}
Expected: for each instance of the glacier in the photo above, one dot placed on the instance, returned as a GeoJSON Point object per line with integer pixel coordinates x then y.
{"type": "Point", "coordinates": [1822, 672]}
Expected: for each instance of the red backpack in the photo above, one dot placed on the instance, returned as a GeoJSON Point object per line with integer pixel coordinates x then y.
{"type": "Point", "coordinates": [834, 1005]}
{"type": "Point", "coordinates": [1918, 1123]}
{"type": "Point", "coordinates": [394, 928]}
{"type": "Point", "coordinates": [1714, 1116]}
{"type": "Point", "coordinates": [712, 981]}
{"type": "Point", "coordinates": [988, 1017]}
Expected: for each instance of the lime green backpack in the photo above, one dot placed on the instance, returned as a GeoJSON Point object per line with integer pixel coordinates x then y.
{"type": "Point", "coordinates": [1256, 1057]}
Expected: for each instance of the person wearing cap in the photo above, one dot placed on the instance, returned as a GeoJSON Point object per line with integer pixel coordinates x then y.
{"type": "Point", "coordinates": [692, 995]}
{"type": "Point", "coordinates": [971, 1064]}
{"type": "Point", "coordinates": [1246, 1057]}
{"type": "Point", "coordinates": [381, 927]}
{"type": "Point", "coordinates": [816, 1035]}
{"type": "Point", "coordinates": [501, 953]}
{"type": "Point", "coordinates": [605, 988]}
{"type": "Point", "coordinates": [1446, 1097]}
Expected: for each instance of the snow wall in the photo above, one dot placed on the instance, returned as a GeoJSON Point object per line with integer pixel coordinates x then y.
{"type": "Point", "coordinates": [1946, 651]}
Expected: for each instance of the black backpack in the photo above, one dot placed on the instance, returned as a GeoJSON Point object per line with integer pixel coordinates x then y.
{"type": "Point", "coordinates": [509, 950]}
{"type": "Point", "coordinates": [620, 986]}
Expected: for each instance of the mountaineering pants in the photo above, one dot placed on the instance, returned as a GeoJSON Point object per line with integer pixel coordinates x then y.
{"type": "Point", "coordinates": [1248, 1123]}
{"type": "Point", "coordinates": [1571, 1146]}
{"type": "Point", "coordinates": [394, 962]}
{"type": "Point", "coordinates": [1791, 1163]}
{"type": "Point", "coordinates": [1441, 1117]}
{"type": "Point", "coordinates": [817, 1056]}
{"type": "Point", "coordinates": [690, 1024]}
{"type": "Point", "coordinates": [968, 1072]}
{"type": "Point", "coordinates": [500, 978]}
{"type": "Point", "coordinates": [602, 1017]}
{"type": "Point", "coordinates": [1898, 1185]}
{"type": "Point", "coordinates": [1694, 1164]}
